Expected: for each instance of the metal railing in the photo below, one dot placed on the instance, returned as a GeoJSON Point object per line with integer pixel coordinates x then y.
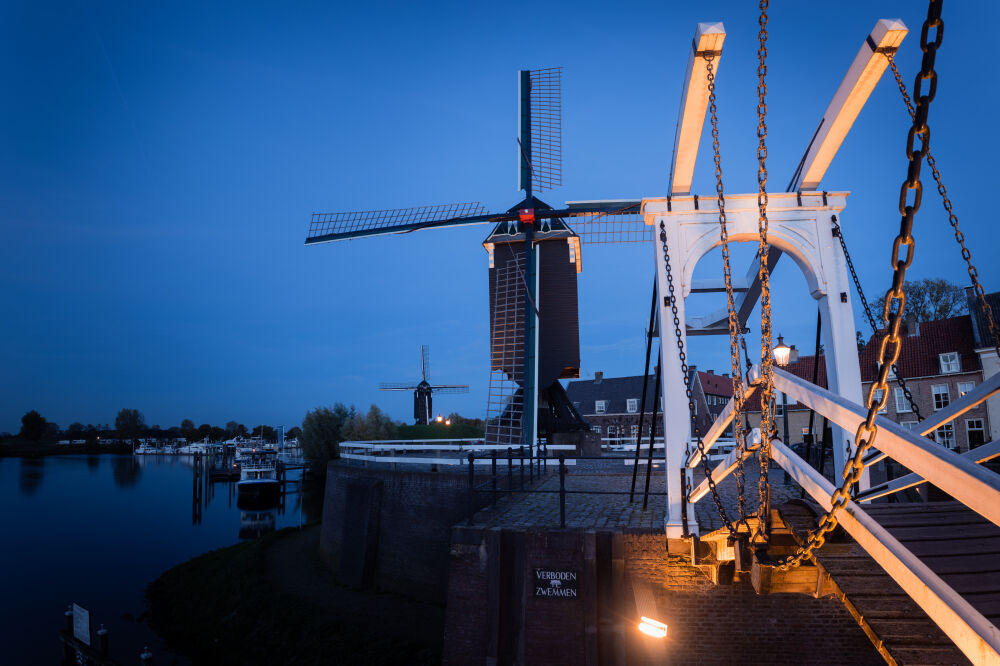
{"type": "Point", "coordinates": [958, 475]}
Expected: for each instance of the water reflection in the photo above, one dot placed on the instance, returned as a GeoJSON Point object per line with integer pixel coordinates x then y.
{"type": "Point", "coordinates": [126, 471]}
{"type": "Point", "coordinates": [32, 472]}
{"type": "Point", "coordinates": [93, 462]}
{"type": "Point", "coordinates": [254, 524]}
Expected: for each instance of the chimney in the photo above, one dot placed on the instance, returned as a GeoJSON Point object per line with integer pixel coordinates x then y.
{"type": "Point", "coordinates": [725, 374]}
{"type": "Point", "coordinates": [711, 372]}
{"type": "Point", "coordinates": [598, 376]}
{"type": "Point", "coordinates": [912, 325]}
{"type": "Point", "coordinates": [793, 356]}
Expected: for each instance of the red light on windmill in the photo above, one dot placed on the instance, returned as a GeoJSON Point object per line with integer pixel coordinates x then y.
{"type": "Point", "coordinates": [527, 215]}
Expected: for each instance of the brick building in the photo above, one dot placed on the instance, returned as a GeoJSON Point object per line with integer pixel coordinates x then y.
{"type": "Point", "coordinates": [987, 353]}
{"type": "Point", "coordinates": [611, 404]}
{"type": "Point", "coordinates": [939, 363]}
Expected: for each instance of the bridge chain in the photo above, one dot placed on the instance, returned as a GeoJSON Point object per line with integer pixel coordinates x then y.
{"type": "Point", "coordinates": [735, 328]}
{"type": "Point", "coordinates": [839, 233]}
{"type": "Point", "coordinates": [952, 218]}
{"type": "Point", "coordinates": [895, 297]}
{"type": "Point", "coordinates": [767, 426]}
{"type": "Point", "coordinates": [672, 297]}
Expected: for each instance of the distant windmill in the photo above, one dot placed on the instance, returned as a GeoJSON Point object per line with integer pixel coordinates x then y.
{"type": "Point", "coordinates": [534, 259]}
{"type": "Point", "coordinates": [422, 400]}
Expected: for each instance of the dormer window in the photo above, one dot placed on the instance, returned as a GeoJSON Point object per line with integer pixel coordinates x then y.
{"type": "Point", "coordinates": [600, 406]}
{"type": "Point", "coordinates": [633, 405]}
{"type": "Point", "coordinates": [949, 363]}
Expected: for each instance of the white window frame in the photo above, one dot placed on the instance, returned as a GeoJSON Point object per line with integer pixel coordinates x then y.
{"type": "Point", "coordinates": [885, 407]}
{"type": "Point", "coordinates": [935, 393]}
{"type": "Point", "coordinates": [950, 363]}
{"type": "Point", "coordinates": [902, 405]}
{"type": "Point", "coordinates": [600, 406]}
{"type": "Point", "coordinates": [968, 387]}
{"type": "Point", "coordinates": [612, 431]}
{"type": "Point", "coordinates": [940, 435]}
{"type": "Point", "coordinates": [909, 425]}
{"type": "Point", "coordinates": [596, 429]}
{"type": "Point", "coordinates": [632, 405]}
{"type": "Point", "coordinates": [969, 430]}
{"type": "Point", "coordinates": [635, 430]}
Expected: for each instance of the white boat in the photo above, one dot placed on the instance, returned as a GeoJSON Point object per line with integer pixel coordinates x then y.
{"type": "Point", "coordinates": [258, 485]}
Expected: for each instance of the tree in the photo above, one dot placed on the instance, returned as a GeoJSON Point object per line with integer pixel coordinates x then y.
{"type": "Point", "coordinates": [293, 433]}
{"type": "Point", "coordinates": [204, 431]}
{"type": "Point", "coordinates": [33, 426]}
{"type": "Point", "coordinates": [374, 425]}
{"type": "Point", "coordinates": [74, 429]}
{"type": "Point", "coordinates": [322, 432]}
{"type": "Point", "coordinates": [130, 423]}
{"type": "Point", "coordinates": [934, 298]}
{"type": "Point", "coordinates": [188, 431]}
{"type": "Point", "coordinates": [861, 340]}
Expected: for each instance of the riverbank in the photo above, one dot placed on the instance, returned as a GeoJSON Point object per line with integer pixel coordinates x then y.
{"type": "Point", "coordinates": [273, 601]}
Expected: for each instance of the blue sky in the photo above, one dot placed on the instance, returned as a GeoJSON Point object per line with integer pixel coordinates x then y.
{"type": "Point", "coordinates": [159, 163]}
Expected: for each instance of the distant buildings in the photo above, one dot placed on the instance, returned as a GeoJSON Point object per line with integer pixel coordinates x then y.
{"type": "Point", "coordinates": [612, 405]}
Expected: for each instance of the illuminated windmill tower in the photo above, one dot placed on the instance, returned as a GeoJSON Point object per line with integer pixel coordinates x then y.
{"type": "Point", "coordinates": [423, 391]}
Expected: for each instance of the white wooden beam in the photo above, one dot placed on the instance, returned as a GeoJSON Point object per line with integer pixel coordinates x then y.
{"type": "Point", "coordinates": [851, 95]}
{"type": "Point", "coordinates": [973, 486]}
{"type": "Point", "coordinates": [974, 397]}
{"type": "Point", "coordinates": [979, 455]}
{"type": "Point", "coordinates": [708, 37]}
{"type": "Point", "coordinates": [723, 420]}
{"type": "Point", "coordinates": [972, 633]}
{"type": "Point", "coordinates": [727, 466]}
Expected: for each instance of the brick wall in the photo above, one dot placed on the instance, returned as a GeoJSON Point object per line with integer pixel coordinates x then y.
{"type": "Point", "coordinates": [415, 515]}
{"type": "Point", "coordinates": [493, 617]}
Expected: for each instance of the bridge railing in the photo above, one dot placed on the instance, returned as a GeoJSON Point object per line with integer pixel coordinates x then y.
{"type": "Point", "coordinates": [958, 475]}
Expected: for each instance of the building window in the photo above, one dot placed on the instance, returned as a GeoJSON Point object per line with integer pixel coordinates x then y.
{"type": "Point", "coordinates": [977, 433]}
{"type": "Point", "coordinates": [910, 425]}
{"type": "Point", "coordinates": [577, 405]}
{"type": "Point", "coordinates": [949, 363]}
{"type": "Point", "coordinates": [596, 429]}
{"type": "Point", "coordinates": [965, 387]}
{"type": "Point", "coordinates": [612, 432]}
{"type": "Point", "coordinates": [941, 397]}
{"type": "Point", "coordinates": [635, 431]}
{"type": "Point", "coordinates": [878, 398]}
{"type": "Point", "coordinates": [600, 406]}
{"type": "Point", "coordinates": [778, 408]}
{"type": "Point", "coordinates": [633, 405]}
{"type": "Point", "coordinates": [902, 404]}
{"type": "Point", "coordinates": [945, 435]}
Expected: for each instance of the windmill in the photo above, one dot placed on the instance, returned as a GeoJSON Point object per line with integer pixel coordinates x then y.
{"type": "Point", "coordinates": [534, 332]}
{"type": "Point", "coordinates": [423, 390]}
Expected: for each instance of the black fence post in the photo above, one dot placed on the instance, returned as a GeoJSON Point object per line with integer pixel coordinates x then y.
{"type": "Point", "coordinates": [522, 467]}
{"type": "Point", "coordinates": [562, 491]}
{"type": "Point", "coordinates": [510, 470]}
{"type": "Point", "coordinates": [472, 486]}
{"type": "Point", "coordinates": [493, 466]}
{"type": "Point", "coordinates": [531, 462]}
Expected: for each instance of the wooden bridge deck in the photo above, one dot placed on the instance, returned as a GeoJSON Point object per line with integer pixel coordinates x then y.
{"type": "Point", "coordinates": [959, 545]}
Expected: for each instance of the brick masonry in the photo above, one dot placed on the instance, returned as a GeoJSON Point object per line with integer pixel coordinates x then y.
{"type": "Point", "coordinates": [493, 616]}
{"type": "Point", "coordinates": [408, 549]}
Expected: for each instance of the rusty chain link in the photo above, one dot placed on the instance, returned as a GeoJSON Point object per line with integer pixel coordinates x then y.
{"type": "Point", "coordinates": [952, 218]}
{"type": "Point", "coordinates": [895, 297]}
{"type": "Point", "coordinates": [735, 329]}
{"type": "Point", "coordinates": [687, 386]}
{"type": "Point", "coordinates": [766, 358]}
{"type": "Point", "coordinates": [839, 233]}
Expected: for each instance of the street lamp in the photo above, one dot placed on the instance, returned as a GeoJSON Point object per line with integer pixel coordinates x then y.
{"type": "Point", "coordinates": [782, 353]}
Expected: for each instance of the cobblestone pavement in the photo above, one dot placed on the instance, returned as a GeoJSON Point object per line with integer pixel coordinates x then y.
{"type": "Point", "coordinates": [613, 511]}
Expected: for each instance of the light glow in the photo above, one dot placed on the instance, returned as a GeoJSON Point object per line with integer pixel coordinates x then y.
{"type": "Point", "coordinates": [439, 418]}
{"type": "Point", "coordinates": [782, 352]}
{"type": "Point", "coordinates": [651, 627]}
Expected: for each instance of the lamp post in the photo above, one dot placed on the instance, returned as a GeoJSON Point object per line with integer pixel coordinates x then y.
{"type": "Point", "coordinates": [782, 354]}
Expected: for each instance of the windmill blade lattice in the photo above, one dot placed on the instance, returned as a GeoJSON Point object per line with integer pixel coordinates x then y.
{"type": "Point", "coordinates": [546, 127]}
{"type": "Point", "coordinates": [337, 226]}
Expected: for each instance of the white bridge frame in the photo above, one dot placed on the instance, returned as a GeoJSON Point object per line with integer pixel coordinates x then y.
{"type": "Point", "coordinates": [800, 224]}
